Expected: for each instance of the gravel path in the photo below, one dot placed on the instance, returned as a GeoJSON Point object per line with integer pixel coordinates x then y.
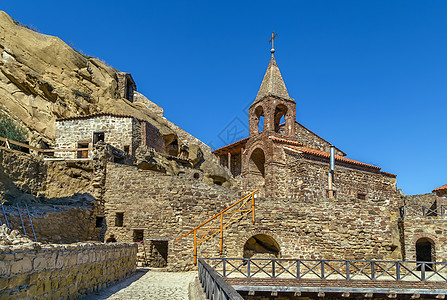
{"type": "Point", "coordinates": [150, 284]}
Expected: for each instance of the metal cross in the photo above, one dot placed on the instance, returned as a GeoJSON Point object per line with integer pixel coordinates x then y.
{"type": "Point", "coordinates": [273, 38]}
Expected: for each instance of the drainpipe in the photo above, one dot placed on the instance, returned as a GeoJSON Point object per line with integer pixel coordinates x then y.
{"type": "Point", "coordinates": [331, 172]}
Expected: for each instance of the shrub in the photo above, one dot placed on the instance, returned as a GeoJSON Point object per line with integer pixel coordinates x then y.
{"type": "Point", "coordinates": [10, 130]}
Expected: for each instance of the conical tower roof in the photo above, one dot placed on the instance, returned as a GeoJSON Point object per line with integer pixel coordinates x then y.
{"type": "Point", "coordinates": [272, 84]}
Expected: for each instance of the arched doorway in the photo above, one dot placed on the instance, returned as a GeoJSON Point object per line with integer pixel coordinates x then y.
{"type": "Point", "coordinates": [425, 251]}
{"type": "Point", "coordinates": [261, 245]}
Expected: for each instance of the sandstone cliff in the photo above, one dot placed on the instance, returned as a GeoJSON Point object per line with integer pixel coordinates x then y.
{"type": "Point", "coordinates": [42, 79]}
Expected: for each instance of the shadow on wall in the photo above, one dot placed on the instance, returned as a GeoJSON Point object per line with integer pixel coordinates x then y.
{"type": "Point", "coordinates": [261, 246]}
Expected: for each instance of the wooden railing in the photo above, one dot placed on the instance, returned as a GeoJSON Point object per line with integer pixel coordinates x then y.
{"type": "Point", "coordinates": [330, 269]}
{"type": "Point", "coordinates": [225, 218]}
{"type": "Point", "coordinates": [422, 210]}
{"type": "Point", "coordinates": [6, 143]}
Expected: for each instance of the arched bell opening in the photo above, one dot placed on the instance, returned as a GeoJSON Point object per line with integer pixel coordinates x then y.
{"type": "Point", "coordinates": [279, 117]}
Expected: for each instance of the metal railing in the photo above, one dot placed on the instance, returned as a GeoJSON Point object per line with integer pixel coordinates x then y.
{"type": "Point", "coordinates": [422, 210]}
{"type": "Point", "coordinates": [215, 287]}
{"type": "Point", "coordinates": [221, 221]}
{"type": "Point", "coordinates": [330, 269]}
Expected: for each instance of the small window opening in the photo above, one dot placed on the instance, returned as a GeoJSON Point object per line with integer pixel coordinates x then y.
{"type": "Point", "coordinates": [99, 221]}
{"type": "Point", "coordinates": [119, 217]}
{"type": "Point", "coordinates": [126, 149]}
{"type": "Point", "coordinates": [98, 136]}
{"type": "Point", "coordinates": [138, 235]}
{"type": "Point", "coordinates": [82, 153]}
{"type": "Point", "coordinates": [361, 196]}
{"type": "Point", "coordinates": [196, 175]}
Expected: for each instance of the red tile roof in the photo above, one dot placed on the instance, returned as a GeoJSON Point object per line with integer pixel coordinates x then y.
{"type": "Point", "coordinates": [441, 188]}
{"type": "Point", "coordinates": [230, 146]}
{"type": "Point", "coordinates": [337, 157]}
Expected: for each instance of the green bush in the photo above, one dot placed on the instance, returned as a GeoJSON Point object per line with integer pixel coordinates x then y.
{"type": "Point", "coordinates": [10, 130]}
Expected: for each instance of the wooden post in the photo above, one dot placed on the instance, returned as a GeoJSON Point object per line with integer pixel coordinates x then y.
{"type": "Point", "coordinates": [195, 246]}
{"type": "Point", "coordinates": [221, 233]}
{"type": "Point", "coordinates": [229, 162]}
{"type": "Point", "coordinates": [253, 206]}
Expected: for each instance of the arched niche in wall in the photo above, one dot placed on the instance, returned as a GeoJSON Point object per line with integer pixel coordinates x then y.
{"type": "Point", "coordinates": [261, 245]}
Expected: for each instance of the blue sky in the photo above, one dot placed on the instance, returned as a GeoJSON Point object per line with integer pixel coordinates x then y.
{"type": "Point", "coordinates": [369, 76]}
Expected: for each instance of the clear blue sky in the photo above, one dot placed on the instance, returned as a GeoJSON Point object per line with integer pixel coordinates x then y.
{"type": "Point", "coordinates": [369, 76]}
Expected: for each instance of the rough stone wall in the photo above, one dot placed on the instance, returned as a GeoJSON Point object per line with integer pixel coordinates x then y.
{"type": "Point", "coordinates": [417, 226]}
{"type": "Point", "coordinates": [58, 223]}
{"type": "Point", "coordinates": [118, 132]}
{"type": "Point", "coordinates": [62, 271]}
{"type": "Point", "coordinates": [163, 206]}
{"type": "Point", "coordinates": [308, 181]}
{"type": "Point", "coordinates": [140, 98]}
{"type": "Point", "coordinates": [61, 195]}
{"type": "Point", "coordinates": [310, 139]}
{"type": "Point", "coordinates": [428, 200]}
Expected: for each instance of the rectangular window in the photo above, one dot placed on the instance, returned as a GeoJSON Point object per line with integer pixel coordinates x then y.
{"type": "Point", "coordinates": [99, 221]}
{"type": "Point", "coordinates": [119, 217]}
{"type": "Point", "coordinates": [82, 153]}
{"type": "Point", "coordinates": [138, 235]}
{"type": "Point", "coordinates": [361, 196]}
{"type": "Point", "coordinates": [98, 136]}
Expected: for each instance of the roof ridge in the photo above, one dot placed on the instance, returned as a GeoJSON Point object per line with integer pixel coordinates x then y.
{"type": "Point", "coordinates": [337, 157]}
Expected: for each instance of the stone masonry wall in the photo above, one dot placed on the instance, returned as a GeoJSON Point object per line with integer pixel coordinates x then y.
{"type": "Point", "coordinates": [62, 271]}
{"type": "Point", "coordinates": [310, 139]}
{"type": "Point", "coordinates": [165, 207]}
{"type": "Point", "coordinates": [118, 132]}
{"type": "Point", "coordinates": [417, 226]}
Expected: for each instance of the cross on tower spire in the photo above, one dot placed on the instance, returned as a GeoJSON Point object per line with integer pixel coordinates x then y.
{"type": "Point", "coordinates": [272, 40]}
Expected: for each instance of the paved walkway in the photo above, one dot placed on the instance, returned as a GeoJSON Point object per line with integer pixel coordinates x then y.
{"type": "Point", "coordinates": [150, 284]}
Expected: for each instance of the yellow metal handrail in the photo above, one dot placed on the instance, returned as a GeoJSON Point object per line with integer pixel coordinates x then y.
{"type": "Point", "coordinates": [240, 207]}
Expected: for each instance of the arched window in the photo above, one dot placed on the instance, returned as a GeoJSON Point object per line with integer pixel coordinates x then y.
{"type": "Point", "coordinates": [261, 244]}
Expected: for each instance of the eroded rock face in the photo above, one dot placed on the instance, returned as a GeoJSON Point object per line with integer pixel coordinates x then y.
{"type": "Point", "coordinates": [12, 237]}
{"type": "Point", "coordinates": [42, 79]}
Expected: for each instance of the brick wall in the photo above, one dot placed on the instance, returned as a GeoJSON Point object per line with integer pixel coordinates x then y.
{"type": "Point", "coordinates": [62, 271]}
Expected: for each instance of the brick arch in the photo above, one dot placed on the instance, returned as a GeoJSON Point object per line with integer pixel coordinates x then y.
{"type": "Point", "coordinates": [427, 236]}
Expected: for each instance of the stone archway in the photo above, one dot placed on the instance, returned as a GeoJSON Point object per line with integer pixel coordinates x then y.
{"type": "Point", "coordinates": [261, 246]}
{"type": "Point", "coordinates": [256, 168]}
{"type": "Point", "coordinates": [425, 252]}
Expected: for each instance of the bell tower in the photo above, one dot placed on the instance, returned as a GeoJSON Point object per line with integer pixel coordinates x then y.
{"type": "Point", "coordinates": [272, 103]}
